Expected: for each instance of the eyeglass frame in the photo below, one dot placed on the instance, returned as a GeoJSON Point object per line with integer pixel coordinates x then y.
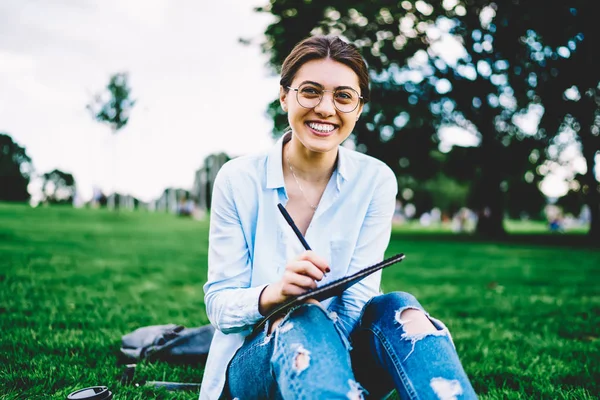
{"type": "Point", "coordinates": [323, 91]}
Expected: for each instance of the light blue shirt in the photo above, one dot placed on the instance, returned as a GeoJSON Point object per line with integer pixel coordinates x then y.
{"type": "Point", "coordinates": [249, 243]}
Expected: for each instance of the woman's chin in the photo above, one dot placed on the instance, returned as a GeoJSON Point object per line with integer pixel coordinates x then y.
{"type": "Point", "coordinates": [319, 144]}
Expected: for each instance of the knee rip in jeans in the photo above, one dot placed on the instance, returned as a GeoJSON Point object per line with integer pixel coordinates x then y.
{"type": "Point", "coordinates": [285, 327]}
{"type": "Point", "coordinates": [302, 362]}
{"type": "Point", "coordinates": [356, 391]}
{"type": "Point", "coordinates": [439, 329]}
{"type": "Point", "coordinates": [268, 336]}
{"type": "Point", "coordinates": [446, 389]}
{"type": "Point", "coordinates": [301, 359]}
{"type": "Point", "coordinates": [281, 328]}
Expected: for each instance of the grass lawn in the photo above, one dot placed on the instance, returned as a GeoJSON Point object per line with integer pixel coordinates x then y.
{"type": "Point", "coordinates": [525, 315]}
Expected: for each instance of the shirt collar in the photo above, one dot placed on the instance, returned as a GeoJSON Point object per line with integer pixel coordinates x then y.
{"type": "Point", "coordinates": [343, 162]}
{"type": "Point", "coordinates": [274, 163]}
{"type": "Point", "coordinates": [275, 169]}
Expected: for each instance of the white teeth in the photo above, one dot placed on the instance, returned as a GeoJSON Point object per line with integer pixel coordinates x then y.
{"type": "Point", "coordinates": [325, 128]}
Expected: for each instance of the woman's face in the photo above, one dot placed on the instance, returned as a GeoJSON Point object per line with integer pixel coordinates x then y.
{"type": "Point", "coordinates": [322, 128]}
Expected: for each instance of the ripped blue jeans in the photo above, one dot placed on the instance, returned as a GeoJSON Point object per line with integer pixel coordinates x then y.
{"type": "Point", "coordinates": [308, 357]}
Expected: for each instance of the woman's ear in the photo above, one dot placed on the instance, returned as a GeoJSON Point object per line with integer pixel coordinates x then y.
{"type": "Point", "coordinates": [283, 96]}
{"type": "Point", "coordinates": [360, 110]}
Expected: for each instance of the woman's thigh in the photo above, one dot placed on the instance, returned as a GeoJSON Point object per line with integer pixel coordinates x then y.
{"type": "Point", "coordinates": [306, 356]}
{"type": "Point", "coordinates": [418, 364]}
{"type": "Point", "coordinates": [311, 359]}
{"type": "Point", "coordinates": [377, 330]}
{"type": "Point", "coordinates": [249, 373]}
{"type": "Point", "coordinates": [369, 372]}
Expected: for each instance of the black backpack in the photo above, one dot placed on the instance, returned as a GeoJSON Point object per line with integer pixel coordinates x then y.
{"type": "Point", "coordinates": [171, 343]}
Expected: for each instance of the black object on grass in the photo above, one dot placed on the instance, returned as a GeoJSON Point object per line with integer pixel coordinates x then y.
{"type": "Point", "coordinates": [91, 393]}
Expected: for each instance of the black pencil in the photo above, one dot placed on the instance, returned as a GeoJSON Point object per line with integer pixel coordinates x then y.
{"type": "Point", "coordinates": [290, 221]}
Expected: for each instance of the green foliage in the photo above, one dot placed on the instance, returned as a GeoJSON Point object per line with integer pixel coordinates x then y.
{"type": "Point", "coordinates": [525, 317]}
{"type": "Point", "coordinates": [113, 106]}
{"type": "Point", "coordinates": [15, 170]}
{"type": "Point", "coordinates": [58, 187]}
{"type": "Point", "coordinates": [445, 193]}
{"type": "Point", "coordinates": [570, 93]}
{"type": "Point", "coordinates": [505, 70]}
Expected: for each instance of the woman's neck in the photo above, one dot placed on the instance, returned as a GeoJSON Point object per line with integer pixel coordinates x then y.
{"type": "Point", "coordinates": [308, 165]}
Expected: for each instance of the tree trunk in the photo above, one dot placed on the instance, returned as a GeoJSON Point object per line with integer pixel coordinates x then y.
{"type": "Point", "coordinates": [491, 212]}
{"type": "Point", "coordinates": [585, 114]}
{"type": "Point", "coordinates": [490, 197]}
{"type": "Point", "coordinates": [593, 191]}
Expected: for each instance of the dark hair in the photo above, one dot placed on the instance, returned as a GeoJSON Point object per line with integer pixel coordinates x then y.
{"type": "Point", "coordinates": [321, 47]}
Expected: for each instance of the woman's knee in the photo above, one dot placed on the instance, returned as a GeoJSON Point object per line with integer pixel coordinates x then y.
{"type": "Point", "coordinates": [311, 321]}
{"type": "Point", "coordinates": [392, 301]}
{"type": "Point", "coordinates": [306, 313]}
{"type": "Point", "coordinates": [389, 306]}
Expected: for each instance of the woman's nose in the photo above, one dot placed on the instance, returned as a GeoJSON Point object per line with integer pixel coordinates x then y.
{"type": "Point", "coordinates": [326, 106]}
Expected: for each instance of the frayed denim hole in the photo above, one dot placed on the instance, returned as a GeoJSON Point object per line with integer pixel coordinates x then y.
{"type": "Point", "coordinates": [398, 314]}
{"type": "Point", "coordinates": [356, 392]}
{"type": "Point", "coordinates": [266, 340]}
{"type": "Point", "coordinates": [439, 325]}
{"type": "Point", "coordinates": [277, 350]}
{"type": "Point", "coordinates": [283, 328]}
{"type": "Point", "coordinates": [301, 358]}
{"type": "Point", "coordinates": [415, 337]}
{"type": "Point", "coordinates": [446, 389]}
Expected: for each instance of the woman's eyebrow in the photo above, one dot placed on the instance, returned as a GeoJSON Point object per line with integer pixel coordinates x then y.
{"type": "Point", "coordinates": [345, 87]}
{"type": "Point", "coordinates": [312, 83]}
{"type": "Point", "coordinates": [321, 86]}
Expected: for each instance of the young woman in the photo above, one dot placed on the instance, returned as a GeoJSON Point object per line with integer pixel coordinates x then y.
{"type": "Point", "coordinates": [360, 344]}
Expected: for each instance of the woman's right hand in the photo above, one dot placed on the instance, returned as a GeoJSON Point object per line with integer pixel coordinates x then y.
{"type": "Point", "coordinates": [300, 276]}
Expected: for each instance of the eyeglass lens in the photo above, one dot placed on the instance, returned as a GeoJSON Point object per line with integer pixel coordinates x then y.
{"type": "Point", "coordinates": [345, 99]}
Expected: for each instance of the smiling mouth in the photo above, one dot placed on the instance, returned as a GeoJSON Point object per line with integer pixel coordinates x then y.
{"type": "Point", "coordinates": [319, 128]}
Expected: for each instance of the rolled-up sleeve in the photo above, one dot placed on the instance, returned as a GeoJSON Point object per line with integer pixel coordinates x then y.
{"type": "Point", "coordinates": [231, 304]}
{"type": "Point", "coordinates": [371, 244]}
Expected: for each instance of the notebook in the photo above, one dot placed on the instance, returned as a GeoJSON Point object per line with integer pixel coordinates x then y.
{"type": "Point", "coordinates": [328, 290]}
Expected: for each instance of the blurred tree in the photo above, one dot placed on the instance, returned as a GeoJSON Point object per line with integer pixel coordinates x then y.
{"type": "Point", "coordinates": [58, 187]}
{"type": "Point", "coordinates": [15, 170]}
{"type": "Point", "coordinates": [445, 193]}
{"type": "Point", "coordinates": [434, 64]}
{"type": "Point", "coordinates": [572, 203]}
{"type": "Point", "coordinates": [113, 107]}
{"type": "Point", "coordinates": [524, 199]}
{"type": "Point", "coordinates": [205, 178]}
{"type": "Point", "coordinates": [562, 40]}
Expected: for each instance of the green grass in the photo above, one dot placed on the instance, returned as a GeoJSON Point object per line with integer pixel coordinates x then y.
{"type": "Point", "coordinates": [525, 316]}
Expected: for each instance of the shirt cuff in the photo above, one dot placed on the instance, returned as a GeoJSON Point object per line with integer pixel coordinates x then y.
{"type": "Point", "coordinates": [250, 301]}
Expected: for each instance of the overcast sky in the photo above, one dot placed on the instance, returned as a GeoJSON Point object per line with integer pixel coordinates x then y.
{"type": "Point", "coordinates": [198, 90]}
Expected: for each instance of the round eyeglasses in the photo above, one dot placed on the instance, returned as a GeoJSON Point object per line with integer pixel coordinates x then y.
{"type": "Point", "coordinates": [345, 99]}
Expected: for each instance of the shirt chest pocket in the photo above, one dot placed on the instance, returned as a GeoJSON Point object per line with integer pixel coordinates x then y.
{"type": "Point", "coordinates": [337, 252]}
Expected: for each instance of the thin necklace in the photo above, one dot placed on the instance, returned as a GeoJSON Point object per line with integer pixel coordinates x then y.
{"type": "Point", "coordinates": [300, 186]}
